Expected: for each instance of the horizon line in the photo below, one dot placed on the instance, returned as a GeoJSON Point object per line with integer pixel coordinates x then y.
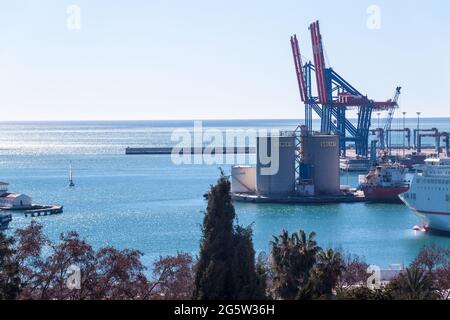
{"type": "Point", "coordinates": [189, 120]}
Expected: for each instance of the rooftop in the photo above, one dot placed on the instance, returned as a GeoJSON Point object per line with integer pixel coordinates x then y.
{"type": "Point", "coordinates": [10, 195]}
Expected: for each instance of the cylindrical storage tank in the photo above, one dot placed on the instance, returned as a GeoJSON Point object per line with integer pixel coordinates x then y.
{"type": "Point", "coordinates": [321, 153]}
{"type": "Point", "coordinates": [243, 179]}
{"type": "Point", "coordinates": [275, 166]}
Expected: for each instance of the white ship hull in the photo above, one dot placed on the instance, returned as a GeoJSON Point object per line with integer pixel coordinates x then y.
{"type": "Point", "coordinates": [430, 220]}
{"type": "Point", "coordinates": [429, 197]}
{"type": "Point", "coordinates": [436, 221]}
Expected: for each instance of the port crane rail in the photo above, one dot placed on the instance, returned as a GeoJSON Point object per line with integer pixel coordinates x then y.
{"type": "Point", "coordinates": [334, 97]}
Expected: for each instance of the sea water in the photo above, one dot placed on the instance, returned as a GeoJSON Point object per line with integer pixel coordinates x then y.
{"type": "Point", "coordinates": [150, 204]}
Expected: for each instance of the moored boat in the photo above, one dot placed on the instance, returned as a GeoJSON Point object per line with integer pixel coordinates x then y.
{"type": "Point", "coordinates": [413, 159]}
{"type": "Point", "coordinates": [384, 183]}
{"type": "Point", "coordinates": [354, 165]}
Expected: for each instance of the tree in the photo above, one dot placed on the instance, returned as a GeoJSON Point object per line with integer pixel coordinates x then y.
{"type": "Point", "coordinates": [9, 279]}
{"type": "Point", "coordinates": [212, 278]}
{"type": "Point", "coordinates": [29, 245]}
{"type": "Point", "coordinates": [262, 276]}
{"type": "Point", "coordinates": [292, 258]}
{"type": "Point", "coordinates": [107, 273]}
{"type": "Point", "coordinates": [354, 273]}
{"type": "Point", "coordinates": [244, 279]}
{"type": "Point", "coordinates": [430, 257]}
{"type": "Point", "coordinates": [413, 284]}
{"type": "Point", "coordinates": [324, 275]}
{"type": "Point", "coordinates": [435, 261]}
{"type": "Point", "coordinates": [226, 266]}
{"type": "Point", "coordinates": [363, 293]}
{"type": "Point", "coordinates": [442, 279]}
{"type": "Point", "coordinates": [175, 277]}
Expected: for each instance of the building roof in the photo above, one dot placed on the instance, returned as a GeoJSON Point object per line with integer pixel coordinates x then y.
{"type": "Point", "coordinates": [11, 195]}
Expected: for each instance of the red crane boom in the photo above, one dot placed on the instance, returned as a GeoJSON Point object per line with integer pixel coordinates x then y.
{"type": "Point", "coordinates": [298, 67]}
{"type": "Point", "coordinates": [319, 61]}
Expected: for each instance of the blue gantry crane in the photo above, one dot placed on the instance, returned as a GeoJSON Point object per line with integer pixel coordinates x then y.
{"type": "Point", "coordinates": [334, 97]}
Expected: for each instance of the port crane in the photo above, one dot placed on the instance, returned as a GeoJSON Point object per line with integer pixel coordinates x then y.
{"type": "Point", "coordinates": [334, 97]}
{"type": "Point", "coordinates": [437, 136]}
{"type": "Point", "coordinates": [391, 111]}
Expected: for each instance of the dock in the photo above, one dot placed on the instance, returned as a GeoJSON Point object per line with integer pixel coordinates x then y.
{"type": "Point", "coordinates": [43, 210]}
{"type": "Point", "coordinates": [347, 198]}
{"type": "Point", "coordinates": [191, 151]}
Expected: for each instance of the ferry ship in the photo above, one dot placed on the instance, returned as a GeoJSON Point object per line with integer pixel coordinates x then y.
{"type": "Point", "coordinates": [384, 183]}
{"type": "Point", "coordinates": [429, 194]}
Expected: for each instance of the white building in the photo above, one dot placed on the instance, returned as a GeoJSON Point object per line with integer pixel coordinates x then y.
{"type": "Point", "coordinates": [13, 200]}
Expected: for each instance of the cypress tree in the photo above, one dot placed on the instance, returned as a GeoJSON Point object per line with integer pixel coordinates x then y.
{"type": "Point", "coordinates": [212, 279]}
{"type": "Point", "coordinates": [226, 266]}
{"type": "Point", "coordinates": [9, 274]}
{"type": "Point", "coordinates": [245, 281]}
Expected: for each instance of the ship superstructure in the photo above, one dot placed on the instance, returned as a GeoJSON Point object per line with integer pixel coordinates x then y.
{"type": "Point", "coordinates": [384, 183]}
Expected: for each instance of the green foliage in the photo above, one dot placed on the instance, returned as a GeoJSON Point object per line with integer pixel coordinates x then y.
{"type": "Point", "coordinates": [226, 266]}
{"type": "Point", "coordinates": [9, 278]}
{"type": "Point", "coordinates": [244, 279]}
{"type": "Point", "coordinates": [363, 293]}
{"type": "Point", "coordinates": [413, 284]}
{"type": "Point", "coordinates": [302, 270]}
{"type": "Point", "coordinates": [324, 276]}
{"type": "Point", "coordinates": [292, 258]}
{"type": "Point", "coordinates": [261, 281]}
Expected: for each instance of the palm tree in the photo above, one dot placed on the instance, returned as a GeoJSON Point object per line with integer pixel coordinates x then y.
{"type": "Point", "coordinates": [292, 258]}
{"type": "Point", "coordinates": [331, 263]}
{"type": "Point", "coordinates": [415, 284]}
{"type": "Point", "coordinates": [308, 249]}
{"type": "Point", "coordinates": [281, 245]}
{"type": "Point", "coordinates": [324, 276]}
{"type": "Point", "coordinates": [280, 257]}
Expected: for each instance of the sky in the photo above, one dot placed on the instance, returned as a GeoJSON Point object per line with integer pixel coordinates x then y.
{"type": "Point", "coordinates": [212, 59]}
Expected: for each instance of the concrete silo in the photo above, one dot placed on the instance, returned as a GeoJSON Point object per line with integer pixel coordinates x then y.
{"type": "Point", "coordinates": [277, 178]}
{"type": "Point", "coordinates": [321, 154]}
{"type": "Point", "coordinates": [243, 179]}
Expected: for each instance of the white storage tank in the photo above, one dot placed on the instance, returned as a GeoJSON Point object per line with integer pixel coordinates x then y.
{"type": "Point", "coordinates": [243, 179]}
{"type": "Point", "coordinates": [321, 153]}
{"type": "Point", "coordinates": [282, 182]}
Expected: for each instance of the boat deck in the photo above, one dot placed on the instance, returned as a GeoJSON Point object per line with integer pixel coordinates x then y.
{"type": "Point", "coordinates": [347, 198]}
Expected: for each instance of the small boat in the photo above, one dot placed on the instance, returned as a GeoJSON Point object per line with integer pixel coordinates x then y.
{"type": "Point", "coordinates": [354, 165]}
{"type": "Point", "coordinates": [384, 183]}
{"type": "Point", "coordinates": [413, 159]}
{"type": "Point", "coordinates": [5, 219]}
{"type": "Point", "coordinates": [71, 184]}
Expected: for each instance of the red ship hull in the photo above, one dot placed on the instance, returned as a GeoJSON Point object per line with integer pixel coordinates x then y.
{"type": "Point", "coordinates": [380, 194]}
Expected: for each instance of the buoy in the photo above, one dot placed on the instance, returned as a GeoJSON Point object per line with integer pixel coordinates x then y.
{"type": "Point", "coordinates": [417, 228]}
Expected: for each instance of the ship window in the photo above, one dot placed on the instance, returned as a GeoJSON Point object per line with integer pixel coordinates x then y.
{"type": "Point", "coordinates": [447, 197]}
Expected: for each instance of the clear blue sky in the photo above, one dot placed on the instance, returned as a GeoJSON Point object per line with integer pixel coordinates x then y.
{"type": "Point", "coordinates": [170, 59]}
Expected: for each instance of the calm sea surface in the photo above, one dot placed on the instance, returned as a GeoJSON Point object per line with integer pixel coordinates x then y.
{"type": "Point", "coordinates": [150, 204]}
